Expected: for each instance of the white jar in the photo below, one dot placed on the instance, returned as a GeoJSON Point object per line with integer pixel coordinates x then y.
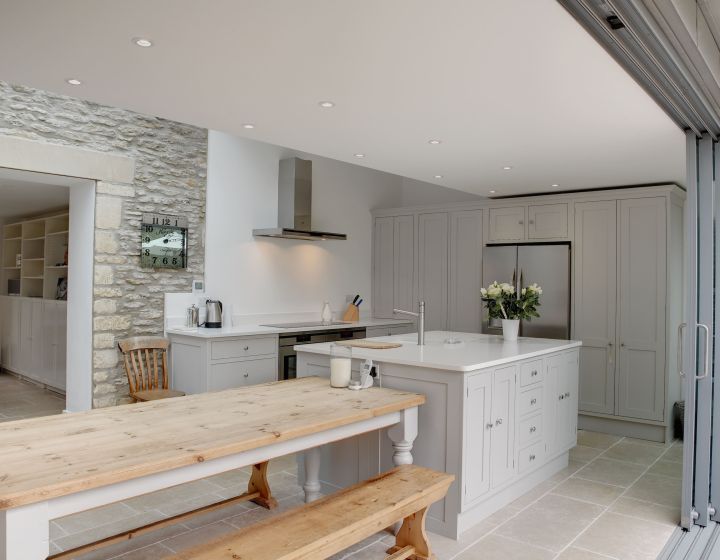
{"type": "Point", "coordinates": [340, 365]}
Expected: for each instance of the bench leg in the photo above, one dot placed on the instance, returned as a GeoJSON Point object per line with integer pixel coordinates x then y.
{"type": "Point", "coordinates": [259, 483]}
{"type": "Point", "coordinates": [412, 534]}
{"type": "Point", "coordinates": [312, 475]}
{"type": "Point", "coordinates": [25, 532]}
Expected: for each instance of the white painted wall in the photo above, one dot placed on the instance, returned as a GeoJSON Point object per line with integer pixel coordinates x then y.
{"type": "Point", "coordinates": [263, 275]}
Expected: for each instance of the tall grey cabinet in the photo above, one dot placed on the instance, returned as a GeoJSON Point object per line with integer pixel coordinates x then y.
{"type": "Point", "coordinates": [627, 287]}
{"type": "Point", "coordinates": [430, 256]}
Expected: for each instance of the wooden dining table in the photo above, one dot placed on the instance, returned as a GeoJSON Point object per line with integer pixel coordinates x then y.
{"type": "Point", "coordinates": [58, 465]}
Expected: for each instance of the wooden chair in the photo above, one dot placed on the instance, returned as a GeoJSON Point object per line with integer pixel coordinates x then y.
{"type": "Point", "coordinates": [146, 367]}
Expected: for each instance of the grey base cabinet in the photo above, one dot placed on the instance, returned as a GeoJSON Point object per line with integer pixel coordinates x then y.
{"type": "Point", "coordinates": [199, 365]}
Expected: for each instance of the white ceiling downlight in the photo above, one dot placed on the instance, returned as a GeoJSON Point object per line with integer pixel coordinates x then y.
{"type": "Point", "coordinates": [73, 82]}
{"type": "Point", "coordinates": [554, 185]}
{"type": "Point", "coordinates": [438, 176]}
{"type": "Point", "coordinates": [491, 192]}
{"type": "Point", "coordinates": [507, 167]}
{"type": "Point", "coordinates": [248, 126]}
{"type": "Point", "coordinates": [434, 141]}
{"type": "Point", "coordinates": [142, 42]}
{"type": "Point", "coordinates": [326, 104]}
{"type": "Point", "coordinates": [359, 155]}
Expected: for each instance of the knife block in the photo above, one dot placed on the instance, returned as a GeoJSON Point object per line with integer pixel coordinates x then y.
{"type": "Point", "coordinates": [352, 314]}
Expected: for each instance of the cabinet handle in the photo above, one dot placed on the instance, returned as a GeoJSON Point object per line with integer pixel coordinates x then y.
{"type": "Point", "coordinates": [706, 360]}
{"type": "Point", "coordinates": [622, 345]}
{"type": "Point", "coordinates": [533, 373]}
{"type": "Point", "coordinates": [533, 429]}
{"type": "Point", "coordinates": [498, 421]}
{"type": "Point", "coordinates": [531, 222]}
{"type": "Point", "coordinates": [533, 401]}
{"type": "Point", "coordinates": [521, 222]}
{"type": "Point", "coordinates": [680, 357]}
{"type": "Point", "coordinates": [246, 348]}
{"type": "Point", "coordinates": [532, 457]}
{"type": "Point", "coordinates": [567, 395]}
{"type": "Point", "coordinates": [246, 375]}
{"type": "Point", "coordinates": [561, 397]}
{"type": "Point", "coordinates": [489, 425]}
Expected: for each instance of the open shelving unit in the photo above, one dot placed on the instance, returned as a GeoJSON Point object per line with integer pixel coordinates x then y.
{"type": "Point", "coordinates": [33, 256]}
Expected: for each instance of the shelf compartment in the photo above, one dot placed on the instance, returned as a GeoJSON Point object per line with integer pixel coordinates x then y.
{"type": "Point", "coordinates": [57, 224]}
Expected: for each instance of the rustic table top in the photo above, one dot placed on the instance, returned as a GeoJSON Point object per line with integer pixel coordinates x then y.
{"type": "Point", "coordinates": [44, 458]}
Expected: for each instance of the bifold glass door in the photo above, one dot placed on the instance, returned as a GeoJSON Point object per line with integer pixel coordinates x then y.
{"type": "Point", "coordinates": [696, 351]}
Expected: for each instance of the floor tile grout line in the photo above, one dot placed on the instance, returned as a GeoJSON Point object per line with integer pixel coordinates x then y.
{"type": "Point", "coordinates": [492, 531]}
{"type": "Point", "coordinates": [597, 553]}
{"type": "Point", "coordinates": [607, 509]}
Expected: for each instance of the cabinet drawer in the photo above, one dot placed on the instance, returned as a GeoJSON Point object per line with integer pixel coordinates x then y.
{"type": "Point", "coordinates": [531, 372]}
{"type": "Point", "coordinates": [530, 401]}
{"type": "Point", "coordinates": [242, 347]}
{"type": "Point", "coordinates": [531, 456]}
{"type": "Point", "coordinates": [230, 375]}
{"type": "Point", "coordinates": [530, 429]}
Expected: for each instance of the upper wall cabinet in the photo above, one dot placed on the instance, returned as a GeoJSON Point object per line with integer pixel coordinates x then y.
{"type": "Point", "coordinates": [507, 224]}
{"type": "Point", "coordinates": [548, 221]}
{"type": "Point", "coordinates": [393, 265]}
{"type": "Point", "coordinates": [465, 276]}
{"type": "Point", "coordinates": [433, 268]}
{"type": "Point", "coordinates": [534, 222]}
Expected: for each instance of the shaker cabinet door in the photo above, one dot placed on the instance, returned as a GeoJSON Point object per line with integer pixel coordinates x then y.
{"type": "Point", "coordinates": [383, 267]}
{"type": "Point", "coordinates": [404, 263]}
{"type": "Point", "coordinates": [502, 438]}
{"type": "Point", "coordinates": [466, 246]}
{"type": "Point", "coordinates": [433, 268]}
{"type": "Point", "coordinates": [507, 224]}
{"type": "Point", "coordinates": [641, 325]}
{"type": "Point", "coordinates": [477, 436]}
{"type": "Point", "coordinates": [548, 221]}
{"type": "Point", "coordinates": [595, 283]}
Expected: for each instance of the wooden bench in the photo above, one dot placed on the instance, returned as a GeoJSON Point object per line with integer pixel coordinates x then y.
{"type": "Point", "coordinates": [322, 528]}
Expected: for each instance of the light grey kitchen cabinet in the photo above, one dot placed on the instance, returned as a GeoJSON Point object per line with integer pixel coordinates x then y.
{"type": "Point", "coordinates": [198, 365]}
{"type": "Point", "coordinates": [477, 436]}
{"type": "Point", "coordinates": [393, 265]}
{"type": "Point", "coordinates": [502, 422]}
{"type": "Point", "coordinates": [390, 330]}
{"type": "Point", "coordinates": [383, 266]}
{"type": "Point", "coordinates": [465, 271]}
{"type": "Point", "coordinates": [595, 302]}
{"type": "Point", "coordinates": [433, 268]}
{"type": "Point", "coordinates": [561, 408]}
{"type": "Point", "coordinates": [548, 221]}
{"type": "Point", "coordinates": [507, 224]}
{"type": "Point", "coordinates": [641, 307]}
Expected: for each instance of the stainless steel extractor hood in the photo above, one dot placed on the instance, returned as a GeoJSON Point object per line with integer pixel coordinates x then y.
{"type": "Point", "coordinates": [295, 204]}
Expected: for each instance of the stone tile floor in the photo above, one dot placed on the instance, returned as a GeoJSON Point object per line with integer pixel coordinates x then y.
{"type": "Point", "coordinates": [618, 499]}
{"type": "Point", "coordinates": [22, 399]}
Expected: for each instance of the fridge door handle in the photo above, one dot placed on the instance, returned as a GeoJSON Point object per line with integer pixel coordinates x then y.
{"type": "Point", "coordinates": [706, 359]}
{"type": "Point", "coordinates": [679, 352]}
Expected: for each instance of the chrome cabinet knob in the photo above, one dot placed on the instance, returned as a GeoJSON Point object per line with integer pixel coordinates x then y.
{"type": "Point", "coordinates": [498, 421]}
{"type": "Point", "coordinates": [531, 222]}
{"type": "Point", "coordinates": [489, 425]}
{"type": "Point", "coordinates": [561, 397]}
{"type": "Point", "coordinates": [246, 348]}
{"type": "Point", "coordinates": [533, 429]}
{"type": "Point", "coordinates": [533, 401]}
{"type": "Point", "coordinates": [246, 375]}
{"type": "Point", "coordinates": [532, 457]}
{"type": "Point", "coordinates": [567, 395]}
{"type": "Point", "coordinates": [533, 373]}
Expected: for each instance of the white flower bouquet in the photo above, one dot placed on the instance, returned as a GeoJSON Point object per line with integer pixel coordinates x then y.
{"type": "Point", "coordinates": [503, 302]}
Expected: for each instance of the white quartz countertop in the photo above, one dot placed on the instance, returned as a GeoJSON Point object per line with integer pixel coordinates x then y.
{"type": "Point", "coordinates": [473, 352]}
{"type": "Point", "coordinates": [254, 329]}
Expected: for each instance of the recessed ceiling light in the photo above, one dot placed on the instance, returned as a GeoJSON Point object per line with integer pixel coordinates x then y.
{"type": "Point", "coordinates": [359, 155]}
{"type": "Point", "coordinates": [73, 82]}
{"type": "Point", "coordinates": [507, 167]}
{"type": "Point", "coordinates": [554, 185]}
{"type": "Point", "coordinates": [140, 42]}
{"type": "Point", "coordinates": [434, 142]}
{"type": "Point", "coordinates": [492, 192]}
{"type": "Point", "coordinates": [248, 126]}
{"type": "Point", "coordinates": [438, 176]}
{"type": "Point", "coordinates": [326, 104]}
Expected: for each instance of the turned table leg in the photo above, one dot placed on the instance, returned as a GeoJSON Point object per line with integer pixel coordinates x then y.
{"type": "Point", "coordinates": [25, 532]}
{"type": "Point", "coordinates": [312, 475]}
{"type": "Point", "coordinates": [259, 483]}
{"type": "Point", "coordinates": [403, 435]}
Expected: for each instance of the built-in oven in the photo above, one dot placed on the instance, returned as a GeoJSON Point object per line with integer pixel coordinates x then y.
{"type": "Point", "coordinates": [287, 357]}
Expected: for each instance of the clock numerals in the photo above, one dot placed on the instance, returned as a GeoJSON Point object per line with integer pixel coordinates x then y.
{"type": "Point", "coordinates": [163, 241]}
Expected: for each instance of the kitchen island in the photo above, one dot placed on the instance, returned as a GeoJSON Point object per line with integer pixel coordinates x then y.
{"type": "Point", "coordinates": [500, 416]}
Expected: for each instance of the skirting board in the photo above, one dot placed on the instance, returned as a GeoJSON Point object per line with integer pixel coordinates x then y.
{"type": "Point", "coordinates": [622, 428]}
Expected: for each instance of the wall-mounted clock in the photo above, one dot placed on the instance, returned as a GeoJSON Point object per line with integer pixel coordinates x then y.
{"type": "Point", "coordinates": [164, 241]}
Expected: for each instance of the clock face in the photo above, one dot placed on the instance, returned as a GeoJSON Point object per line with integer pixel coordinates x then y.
{"type": "Point", "coordinates": [164, 242]}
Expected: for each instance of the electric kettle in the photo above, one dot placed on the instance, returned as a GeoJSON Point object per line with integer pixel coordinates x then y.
{"type": "Point", "coordinates": [213, 318]}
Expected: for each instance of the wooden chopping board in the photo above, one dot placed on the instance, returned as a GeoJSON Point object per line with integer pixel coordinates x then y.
{"type": "Point", "coordinates": [370, 344]}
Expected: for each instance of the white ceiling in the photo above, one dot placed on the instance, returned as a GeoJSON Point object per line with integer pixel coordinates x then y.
{"type": "Point", "coordinates": [27, 194]}
{"type": "Point", "coordinates": [500, 82]}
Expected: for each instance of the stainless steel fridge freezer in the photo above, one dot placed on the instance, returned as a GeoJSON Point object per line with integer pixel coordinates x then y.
{"type": "Point", "coordinates": [546, 264]}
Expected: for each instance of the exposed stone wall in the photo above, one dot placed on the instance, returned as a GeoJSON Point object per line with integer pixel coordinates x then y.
{"type": "Point", "coordinates": [170, 177]}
